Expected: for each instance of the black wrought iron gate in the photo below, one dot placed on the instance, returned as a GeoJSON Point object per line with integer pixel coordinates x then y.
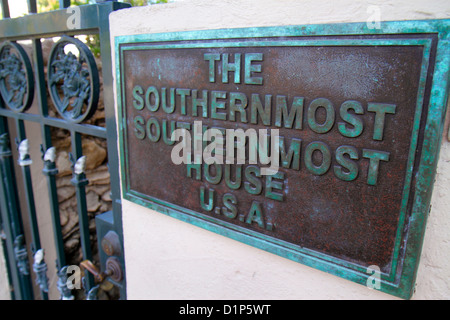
{"type": "Point", "coordinates": [60, 95]}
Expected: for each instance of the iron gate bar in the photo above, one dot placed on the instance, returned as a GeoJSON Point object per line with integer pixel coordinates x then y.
{"type": "Point", "coordinates": [86, 129]}
{"type": "Point", "coordinates": [13, 274]}
{"type": "Point", "coordinates": [3, 239]}
{"type": "Point", "coordinates": [31, 209]}
{"type": "Point", "coordinates": [79, 181]}
{"type": "Point", "coordinates": [110, 119]}
{"type": "Point", "coordinates": [94, 20]}
{"type": "Point", "coordinates": [12, 218]}
{"type": "Point", "coordinates": [64, 3]}
{"type": "Point", "coordinates": [32, 7]}
{"type": "Point", "coordinates": [54, 23]}
{"type": "Point", "coordinates": [50, 171]}
{"type": "Point", "coordinates": [5, 9]}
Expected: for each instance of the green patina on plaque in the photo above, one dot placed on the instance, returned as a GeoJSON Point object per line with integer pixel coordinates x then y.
{"type": "Point", "coordinates": [360, 114]}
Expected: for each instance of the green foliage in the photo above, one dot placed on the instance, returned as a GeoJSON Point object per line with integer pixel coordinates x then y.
{"type": "Point", "coordinates": [137, 3]}
{"type": "Point", "coordinates": [92, 41]}
{"type": "Point", "coordinates": [49, 5]}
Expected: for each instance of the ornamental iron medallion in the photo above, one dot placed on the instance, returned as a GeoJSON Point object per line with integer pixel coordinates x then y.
{"type": "Point", "coordinates": [16, 77]}
{"type": "Point", "coordinates": [73, 80]}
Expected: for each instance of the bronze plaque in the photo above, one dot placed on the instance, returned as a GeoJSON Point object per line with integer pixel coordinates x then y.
{"type": "Point", "coordinates": [350, 111]}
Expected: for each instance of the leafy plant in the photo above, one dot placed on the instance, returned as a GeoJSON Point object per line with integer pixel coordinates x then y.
{"type": "Point", "coordinates": [49, 5]}
{"type": "Point", "coordinates": [92, 41]}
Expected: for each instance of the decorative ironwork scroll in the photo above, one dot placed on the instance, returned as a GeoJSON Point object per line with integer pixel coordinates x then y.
{"type": "Point", "coordinates": [16, 77]}
{"type": "Point", "coordinates": [21, 254]}
{"type": "Point", "coordinates": [63, 288]}
{"type": "Point", "coordinates": [73, 80]}
{"type": "Point", "coordinates": [40, 268]}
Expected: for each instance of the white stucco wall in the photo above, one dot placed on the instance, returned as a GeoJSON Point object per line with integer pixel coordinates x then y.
{"type": "Point", "coordinates": [170, 259]}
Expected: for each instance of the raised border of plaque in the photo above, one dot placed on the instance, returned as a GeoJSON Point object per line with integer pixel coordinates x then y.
{"type": "Point", "coordinates": [428, 124]}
